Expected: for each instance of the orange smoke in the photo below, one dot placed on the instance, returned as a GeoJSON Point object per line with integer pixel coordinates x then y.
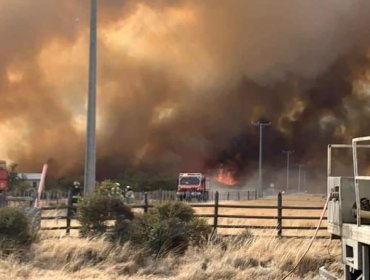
{"type": "Point", "coordinates": [226, 177]}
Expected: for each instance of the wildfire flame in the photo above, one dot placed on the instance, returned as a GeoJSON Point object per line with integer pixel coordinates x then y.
{"type": "Point", "coordinates": [226, 177]}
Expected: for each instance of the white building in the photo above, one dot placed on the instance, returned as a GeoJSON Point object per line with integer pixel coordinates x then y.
{"type": "Point", "coordinates": [33, 178]}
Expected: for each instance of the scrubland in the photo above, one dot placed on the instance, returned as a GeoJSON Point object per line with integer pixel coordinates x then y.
{"type": "Point", "coordinates": [237, 258]}
{"type": "Point", "coordinates": [247, 255]}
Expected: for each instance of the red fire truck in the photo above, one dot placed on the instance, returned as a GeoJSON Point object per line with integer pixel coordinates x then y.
{"type": "Point", "coordinates": [192, 185]}
{"type": "Point", "coordinates": [3, 177]}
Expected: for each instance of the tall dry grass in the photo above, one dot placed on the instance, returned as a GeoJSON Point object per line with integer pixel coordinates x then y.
{"type": "Point", "coordinates": [59, 258]}
{"type": "Point", "coordinates": [237, 258]}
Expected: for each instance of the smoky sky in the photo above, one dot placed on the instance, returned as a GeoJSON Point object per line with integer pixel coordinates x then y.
{"type": "Point", "coordinates": [179, 82]}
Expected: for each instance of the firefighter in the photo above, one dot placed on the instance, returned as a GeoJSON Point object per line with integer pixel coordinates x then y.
{"type": "Point", "coordinates": [76, 189]}
{"type": "Point", "coordinates": [129, 195]}
{"type": "Point", "coordinates": [116, 190]}
{"type": "Point", "coordinates": [76, 192]}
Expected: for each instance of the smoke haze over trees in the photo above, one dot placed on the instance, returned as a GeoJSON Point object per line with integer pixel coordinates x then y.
{"type": "Point", "coordinates": [179, 82]}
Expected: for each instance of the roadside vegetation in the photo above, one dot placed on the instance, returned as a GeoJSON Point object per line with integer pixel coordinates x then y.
{"type": "Point", "coordinates": [167, 242]}
{"type": "Point", "coordinates": [15, 231]}
{"type": "Point", "coordinates": [235, 258]}
{"type": "Point", "coordinates": [168, 227]}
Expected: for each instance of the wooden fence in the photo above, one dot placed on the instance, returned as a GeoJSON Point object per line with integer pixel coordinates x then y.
{"type": "Point", "coordinates": [215, 216]}
{"type": "Point", "coordinates": [60, 198]}
{"type": "Point", "coordinates": [164, 195]}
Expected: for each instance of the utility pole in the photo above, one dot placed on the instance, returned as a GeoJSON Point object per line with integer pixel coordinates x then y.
{"type": "Point", "coordinates": [90, 157]}
{"type": "Point", "coordinates": [288, 153]}
{"type": "Point", "coordinates": [299, 175]}
{"type": "Point", "coordinates": [259, 189]}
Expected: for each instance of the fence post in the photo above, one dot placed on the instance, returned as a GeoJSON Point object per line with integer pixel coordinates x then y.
{"type": "Point", "coordinates": [146, 202]}
{"type": "Point", "coordinates": [228, 196]}
{"type": "Point", "coordinates": [238, 196]}
{"type": "Point", "coordinates": [69, 213]}
{"type": "Point", "coordinates": [255, 195]}
{"type": "Point", "coordinates": [215, 217]}
{"type": "Point", "coordinates": [279, 214]}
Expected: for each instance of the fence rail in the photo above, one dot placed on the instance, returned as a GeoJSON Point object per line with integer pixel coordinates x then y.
{"type": "Point", "coordinates": [55, 197]}
{"type": "Point", "coordinates": [215, 216]}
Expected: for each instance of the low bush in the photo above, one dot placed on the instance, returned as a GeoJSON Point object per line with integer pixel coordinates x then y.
{"type": "Point", "coordinates": [168, 235]}
{"type": "Point", "coordinates": [15, 229]}
{"type": "Point", "coordinates": [170, 226]}
{"type": "Point", "coordinates": [95, 212]}
{"type": "Point", "coordinates": [178, 210]}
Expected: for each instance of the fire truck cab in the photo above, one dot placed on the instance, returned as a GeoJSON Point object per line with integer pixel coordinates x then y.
{"type": "Point", "coordinates": [192, 185]}
{"type": "Point", "coordinates": [3, 177]}
{"type": "Point", "coordinates": [3, 183]}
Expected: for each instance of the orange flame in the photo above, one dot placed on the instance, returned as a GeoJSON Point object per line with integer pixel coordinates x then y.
{"type": "Point", "coordinates": [226, 177]}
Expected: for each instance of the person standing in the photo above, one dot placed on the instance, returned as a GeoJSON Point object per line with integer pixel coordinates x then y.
{"type": "Point", "coordinates": [129, 195]}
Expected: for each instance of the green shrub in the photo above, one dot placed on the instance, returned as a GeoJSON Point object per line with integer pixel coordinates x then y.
{"type": "Point", "coordinates": [169, 234]}
{"type": "Point", "coordinates": [15, 230]}
{"type": "Point", "coordinates": [94, 212]}
{"type": "Point", "coordinates": [175, 209]}
{"type": "Point", "coordinates": [140, 228]}
{"type": "Point", "coordinates": [199, 231]}
{"type": "Point", "coordinates": [170, 226]}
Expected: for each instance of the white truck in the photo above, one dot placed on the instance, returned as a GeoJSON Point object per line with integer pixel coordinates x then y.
{"type": "Point", "coordinates": [349, 212]}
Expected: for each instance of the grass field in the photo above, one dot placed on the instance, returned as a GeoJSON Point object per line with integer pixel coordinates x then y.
{"type": "Point", "coordinates": [254, 258]}
{"type": "Point", "coordinates": [258, 256]}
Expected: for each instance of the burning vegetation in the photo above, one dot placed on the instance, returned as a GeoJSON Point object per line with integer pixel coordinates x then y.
{"type": "Point", "coordinates": [225, 177]}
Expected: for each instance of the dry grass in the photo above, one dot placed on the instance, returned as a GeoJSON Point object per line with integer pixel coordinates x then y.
{"type": "Point", "coordinates": [254, 258]}
{"type": "Point", "coordinates": [262, 258]}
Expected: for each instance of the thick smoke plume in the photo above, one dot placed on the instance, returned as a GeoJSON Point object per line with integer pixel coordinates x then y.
{"type": "Point", "coordinates": [181, 81]}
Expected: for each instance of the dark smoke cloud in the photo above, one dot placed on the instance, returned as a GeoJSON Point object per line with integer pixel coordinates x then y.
{"type": "Point", "coordinates": [181, 81]}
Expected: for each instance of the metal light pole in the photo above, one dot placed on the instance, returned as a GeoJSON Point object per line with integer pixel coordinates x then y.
{"type": "Point", "coordinates": [90, 159]}
{"type": "Point", "coordinates": [299, 176]}
{"type": "Point", "coordinates": [288, 153]}
{"type": "Point", "coordinates": [260, 125]}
